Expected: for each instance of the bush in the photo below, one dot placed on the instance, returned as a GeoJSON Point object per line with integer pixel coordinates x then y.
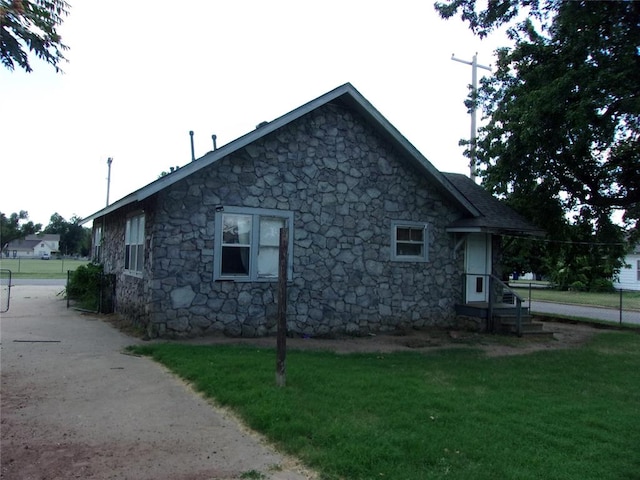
{"type": "Point", "coordinates": [602, 285]}
{"type": "Point", "coordinates": [578, 286]}
{"type": "Point", "coordinates": [84, 286]}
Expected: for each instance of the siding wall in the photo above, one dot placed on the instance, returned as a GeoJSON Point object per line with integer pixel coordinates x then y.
{"type": "Point", "coordinates": [628, 278]}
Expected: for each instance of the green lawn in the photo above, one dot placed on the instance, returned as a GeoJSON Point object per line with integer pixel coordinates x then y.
{"type": "Point", "coordinates": [630, 300]}
{"type": "Point", "coordinates": [453, 414]}
{"type": "Point", "coordinates": [36, 268]}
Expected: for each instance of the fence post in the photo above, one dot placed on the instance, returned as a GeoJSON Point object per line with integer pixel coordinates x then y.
{"type": "Point", "coordinates": [281, 354]}
{"type": "Point", "coordinates": [620, 306]}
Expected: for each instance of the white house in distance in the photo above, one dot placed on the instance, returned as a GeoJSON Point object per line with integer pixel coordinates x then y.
{"type": "Point", "coordinates": [33, 246]}
{"type": "Point", "coordinates": [629, 277]}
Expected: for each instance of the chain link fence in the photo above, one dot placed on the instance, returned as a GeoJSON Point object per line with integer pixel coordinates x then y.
{"type": "Point", "coordinates": [5, 289]}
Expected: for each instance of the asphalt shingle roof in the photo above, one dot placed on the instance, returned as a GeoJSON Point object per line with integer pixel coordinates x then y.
{"type": "Point", "coordinates": [495, 216]}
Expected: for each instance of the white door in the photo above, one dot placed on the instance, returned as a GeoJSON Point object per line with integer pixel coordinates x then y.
{"type": "Point", "coordinates": [477, 266]}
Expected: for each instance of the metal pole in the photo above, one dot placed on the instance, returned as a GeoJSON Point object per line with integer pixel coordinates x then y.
{"type": "Point", "coordinates": [620, 306]}
{"type": "Point", "coordinates": [109, 160]}
{"type": "Point", "coordinates": [474, 87]}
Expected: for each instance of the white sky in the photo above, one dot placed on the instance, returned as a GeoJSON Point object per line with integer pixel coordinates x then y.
{"type": "Point", "coordinates": [142, 73]}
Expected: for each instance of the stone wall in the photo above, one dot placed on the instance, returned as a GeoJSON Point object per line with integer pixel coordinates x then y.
{"type": "Point", "coordinates": [345, 186]}
{"type": "Point", "coordinates": [132, 294]}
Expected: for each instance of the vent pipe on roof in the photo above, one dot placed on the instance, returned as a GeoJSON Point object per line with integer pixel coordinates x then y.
{"type": "Point", "coordinates": [215, 147]}
{"type": "Point", "coordinates": [193, 154]}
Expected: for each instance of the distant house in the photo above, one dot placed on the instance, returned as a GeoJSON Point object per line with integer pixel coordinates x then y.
{"type": "Point", "coordinates": [629, 276]}
{"type": "Point", "coordinates": [33, 246]}
{"type": "Point", "coordinates": [378, 238]}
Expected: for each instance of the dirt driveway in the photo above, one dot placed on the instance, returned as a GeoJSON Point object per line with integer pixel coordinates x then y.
{"type": "Point", "coordinates": [73, 406]}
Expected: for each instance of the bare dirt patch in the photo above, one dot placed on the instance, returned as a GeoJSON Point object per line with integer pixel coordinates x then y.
{"type": "Point", "coordinates": [557, 336]}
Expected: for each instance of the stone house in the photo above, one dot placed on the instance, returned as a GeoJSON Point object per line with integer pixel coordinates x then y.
{"type": "Point", "coordinates": [378, 237]}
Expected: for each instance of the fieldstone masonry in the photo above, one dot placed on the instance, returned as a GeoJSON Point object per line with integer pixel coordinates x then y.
{"type": "Point", "coordinates": [345, 186]}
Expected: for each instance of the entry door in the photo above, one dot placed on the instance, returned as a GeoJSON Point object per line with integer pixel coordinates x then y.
{"type": "Point", "coordinates": [477, 265]}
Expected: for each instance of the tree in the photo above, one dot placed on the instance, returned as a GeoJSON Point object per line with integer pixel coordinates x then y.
{"type": "Point", "coordinates": [74, 238]}
{"type": "Point", "coordinates": [15, 227]}
{"type": "Point", "coordinates": [31, 26]}
{"type": "Point", "coordinates": [562, 110]}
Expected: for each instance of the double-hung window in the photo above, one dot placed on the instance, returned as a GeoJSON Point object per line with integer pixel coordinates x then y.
{"type": "Point", "coordinates": [97, 244]}
{"type": "Point", "coordinates": [247, 243]}
{"type": "Point", "coordinates": [134, 245]}
{"type": "Point", "coordinates": [409, 241]}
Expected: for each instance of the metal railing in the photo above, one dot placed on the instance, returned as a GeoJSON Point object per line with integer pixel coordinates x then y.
{"type": "Point", "coordinates": [498, 293]}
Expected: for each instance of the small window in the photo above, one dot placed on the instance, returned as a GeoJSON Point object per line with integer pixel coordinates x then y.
{"type": "Point", "coordinates": [409, 241]}
{"type": "Point", "coordinates": [134, 245]}
{"type": "Point", "coordinates": [248, 242]}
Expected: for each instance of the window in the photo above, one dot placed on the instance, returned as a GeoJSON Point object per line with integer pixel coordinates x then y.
{"type": "Point", "coordinates": [134, 245]}
{"type": "Point", "coordinates": [638, 271]}
{"type": "Point", "coordinates": [409, 242]}
{"type": "Point", "coordinates": [97, 244]}
{"type": "Point", "coordinates": [247, 243]}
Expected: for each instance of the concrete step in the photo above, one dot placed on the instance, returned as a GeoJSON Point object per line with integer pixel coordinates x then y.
{"type": "Point", "coordinates": [507, 324]}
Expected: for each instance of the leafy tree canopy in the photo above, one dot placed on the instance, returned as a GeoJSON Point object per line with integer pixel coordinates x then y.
{"type": "Point", "coordinates": [562, 138]}
{"type": "Point", "coordinates": [563, 107]}
{"type": "Point", "coordinates": [16, 226]}
{"type": "Point", "coordinates": [31, 26]}
{"type": "Point", "coordinates": [74, 238]}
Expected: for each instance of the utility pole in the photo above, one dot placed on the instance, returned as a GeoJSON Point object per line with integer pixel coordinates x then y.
{"type": "Point", "coordinates": [474, 88]}
{"type": "Point", "coordinates": [109, 160]}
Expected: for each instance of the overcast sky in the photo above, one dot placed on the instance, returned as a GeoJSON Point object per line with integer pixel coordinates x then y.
{"type": "Point", "coordinates": [142, 73]}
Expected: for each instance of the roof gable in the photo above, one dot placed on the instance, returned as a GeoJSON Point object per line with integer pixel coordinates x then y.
{"type": "Point", "coordinates": [346, 95]}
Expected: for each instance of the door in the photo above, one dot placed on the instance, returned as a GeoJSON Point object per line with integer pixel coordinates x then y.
{"type": "Point", "coordinates": [477, 266]}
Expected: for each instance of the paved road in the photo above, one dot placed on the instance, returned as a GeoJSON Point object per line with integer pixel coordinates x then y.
{"type": "Point", "coordinates": [74, 406]}
{"type": "Point", "coordinates": [596, 313]}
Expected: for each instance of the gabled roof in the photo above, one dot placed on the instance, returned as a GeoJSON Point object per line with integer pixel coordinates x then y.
{"type": "Point", "coordinates": [495, 216]}
{"type": "Point", "coordinates": [345, 95]}
{"type": "Point", "coordinates": [22, 244]}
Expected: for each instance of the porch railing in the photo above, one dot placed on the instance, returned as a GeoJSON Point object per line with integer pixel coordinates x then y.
{"type": "Point", "coordinates": [498, 294]}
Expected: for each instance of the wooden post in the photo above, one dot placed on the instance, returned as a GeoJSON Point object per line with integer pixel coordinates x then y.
{"type": "Point", "coordinates": [281, 371]}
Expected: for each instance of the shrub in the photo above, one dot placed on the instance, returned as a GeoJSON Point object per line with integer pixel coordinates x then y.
{"type": "Point", "coordinates": [84, 286]}
{"type": "Point", "coordinates": [602, 285]}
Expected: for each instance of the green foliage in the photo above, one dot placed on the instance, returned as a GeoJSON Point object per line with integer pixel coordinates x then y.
{"type": "Point", "coordinates": [455, 414]}
{"type": "Point", "coordinates": [564, 103]}
{"type": "Point", "coordinates": [15, 227]}
{"type": "Point", "coordinates": [31, 24]}
{"type": "Point", "coordinates": [563, 111]}
{"type": "Point", "coordinates": [74, 238]}
{"type": "Point", "coordinates": [84, 285]}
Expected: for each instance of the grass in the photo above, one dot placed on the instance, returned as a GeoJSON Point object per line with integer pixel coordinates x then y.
{"type": "Point", "coordinates": [454, 414]}
{"type": "Point", "coordinates": [630, 300]}
{"type": "Point", "coordinates": [36, 268]}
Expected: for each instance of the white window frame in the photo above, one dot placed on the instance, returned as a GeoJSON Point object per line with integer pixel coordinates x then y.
{"type": "Point", "coordinates": [252, 243]}
{"type": "Point", "coordinates": [97, 244]}
{"type": "Point", "coordinates": [402, 224]}
{"type": "Point", "coordinates": [134, 245]}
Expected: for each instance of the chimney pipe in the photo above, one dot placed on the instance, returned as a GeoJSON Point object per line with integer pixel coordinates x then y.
{"type": "Point", "coordinates": [215, 147]}
{"type": "Point", "coordinates": [193, 155]}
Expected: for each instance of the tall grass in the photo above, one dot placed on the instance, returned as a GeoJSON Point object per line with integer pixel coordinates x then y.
{"type": "Point", "coordinates": [572, 414]}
